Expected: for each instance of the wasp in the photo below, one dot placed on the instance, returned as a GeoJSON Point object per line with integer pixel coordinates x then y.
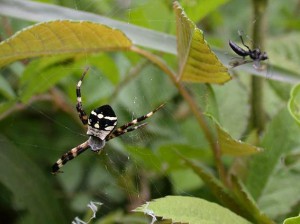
{"type": "Point", "coordinates": [256, 54]}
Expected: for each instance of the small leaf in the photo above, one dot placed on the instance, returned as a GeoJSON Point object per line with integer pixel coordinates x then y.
{"type": "Point", "coordinates": [61, 37]}
{"type": "Point", "coordinates": [190, 210]}
{"type": "Point", "coordinates": [294, 103]}
{"type": "Point", "coordinates": [230, 146]}
{"type": "Point", "coordinates": [197, 63]}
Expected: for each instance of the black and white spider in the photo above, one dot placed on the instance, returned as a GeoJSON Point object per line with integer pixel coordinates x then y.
{"type": "Point", "coordinates": [101, 128]}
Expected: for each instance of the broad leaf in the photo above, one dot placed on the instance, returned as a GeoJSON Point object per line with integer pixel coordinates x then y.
{"type": "Point", "coordinates": [61, 37]}
{"type": "Point", "coordinates": [190, 210]}
{"type": "Point", "coordinates": [197, 63]}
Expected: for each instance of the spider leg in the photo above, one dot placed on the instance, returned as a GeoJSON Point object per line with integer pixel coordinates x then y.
{"type": "Point", "coordinates": [82, 115]}
{"type": "Point", "coordinates": [241, 37]}
{"type": "Point", "coordinates": [69, 156]}
{"type": "Point", "coordinates": [124, 128]}
{"type": "Point", "coordinates": [118, 133]}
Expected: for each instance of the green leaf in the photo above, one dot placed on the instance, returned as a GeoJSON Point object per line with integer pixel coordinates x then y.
{"type": "Point", "coordinates": [61, 37]}
{"type": "Point", "coordinates": [146, 157]}
{"type": "Point", "coordinates": [165, 158]}
{"type": "Point", "coordinates": [230, 146]}
{"type": "Point", "coordinates": [142, 16]}
{"type": "Point", "coordinates": [216, 186]}
{"type": "Point", "coordinates": [292, 220]}
{"type": "Point", "coordinates": [238, 200]}
{"type": "Point", "coordinates": [245, 199]}
{"type": "Point", "coordinates": [169, 155]}
{"type": "Point", "coordinates": [35, 11]}
{"type": "Point", "coordinates": [41, 12]}
{"type": "Point", "coordinates": [184, 180]}
{"type": "Point", "coordinates": [34, 195]}
{"type": "Point", "coordinates": [5, 88]}
{"type": "Point", "coordinates": [190, 210]}
{"type": "Point", "coordinates": [283, 51]}
{"type": "Point", "coordinates": [5, 107]}
{"type": "Point", "coordinates": [229, 97]}
{"type": "Point", "coordinates": [274, 186]}
{"type": "Point", "coordinates": [197, 10]}
{"type": "Point", "coordinates": [294, 103]}
{"type": "Point", "coordinates": [41, 75]}
{"type": "Point", "coordinates": [197, 63]}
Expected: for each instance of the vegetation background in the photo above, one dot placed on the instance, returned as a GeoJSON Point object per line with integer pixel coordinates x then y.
{"type": "Point", "coordinates": [38, 120]}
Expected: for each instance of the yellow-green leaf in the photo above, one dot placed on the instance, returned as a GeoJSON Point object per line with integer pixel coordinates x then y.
{"type": "Point", "coordinates": [234, 147]}
{"type": "Point", "coordinates": [294, 103]}
{"type": "Point", "coordinates": [182, 209]}
{"type": "Point", "coordinates": [197, 63]}
{"type": "Point", "coordinates": [61, 37]}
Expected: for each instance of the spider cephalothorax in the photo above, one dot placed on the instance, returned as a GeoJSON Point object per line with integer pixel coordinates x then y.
{"type": "Point", "coordinates": [101, 128]}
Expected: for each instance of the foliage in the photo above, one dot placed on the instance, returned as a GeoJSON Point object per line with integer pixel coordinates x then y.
{"type": "Point", "coordinates": [203, 144]}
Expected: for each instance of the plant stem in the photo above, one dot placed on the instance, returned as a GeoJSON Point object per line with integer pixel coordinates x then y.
{"type": "Point", "coordinates": [193, 106]}
{"type": "Point", "coordinates": [257, 119]}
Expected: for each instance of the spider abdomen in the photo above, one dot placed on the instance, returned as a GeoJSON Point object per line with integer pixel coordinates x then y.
{"type": "Point", "coordinates": [101, 122]}
{"type": "Point", "coordinates": [96, 144]}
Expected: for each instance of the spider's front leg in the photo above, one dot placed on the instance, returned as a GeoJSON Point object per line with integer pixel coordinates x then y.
{"type": "Point", "coordinates": [82, 115]}
{"type": "Point", "coordinates": [126, 127]}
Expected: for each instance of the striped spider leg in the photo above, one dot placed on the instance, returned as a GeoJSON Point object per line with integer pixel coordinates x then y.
{"type": "Point", "coordinates": [101, 125]}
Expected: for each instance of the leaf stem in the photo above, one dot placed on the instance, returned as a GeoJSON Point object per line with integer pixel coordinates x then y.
{"type": "Point", "coordinates": [194, 108]}
{"type": "Point", "coordinates": [257, 119]}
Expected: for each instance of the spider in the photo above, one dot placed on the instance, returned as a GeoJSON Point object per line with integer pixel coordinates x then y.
{"type": "Point", "coordinates": [101, 125]}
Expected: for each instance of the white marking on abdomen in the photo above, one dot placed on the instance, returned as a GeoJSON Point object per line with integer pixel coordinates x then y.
{"type": "Point", "coordinates": [110, 118]}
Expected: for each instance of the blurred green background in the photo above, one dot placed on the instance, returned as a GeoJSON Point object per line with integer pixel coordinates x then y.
{"type": "Point", "coordinates": [38, 119]}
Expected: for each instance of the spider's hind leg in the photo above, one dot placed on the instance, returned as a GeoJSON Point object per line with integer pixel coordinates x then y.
{"type": "Point", "coordinates": [69, 156]}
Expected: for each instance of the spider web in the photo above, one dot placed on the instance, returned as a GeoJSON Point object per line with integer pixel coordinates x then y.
{"type": "Point", "coordinates": [115, 178]}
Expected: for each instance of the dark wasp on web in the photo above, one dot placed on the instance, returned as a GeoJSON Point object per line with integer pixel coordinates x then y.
{"type": "Point", "coordinates": [101, 127]}
{"type": "Point", "coordinates": [256, 54]}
